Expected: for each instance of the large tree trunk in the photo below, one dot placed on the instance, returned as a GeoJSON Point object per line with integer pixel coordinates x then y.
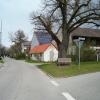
{"type": "Point", "coordinates": [63, 48]}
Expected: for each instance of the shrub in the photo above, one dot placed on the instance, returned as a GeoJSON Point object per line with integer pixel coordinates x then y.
{"type": "Point", "coordinates": [20, 56]}
{"type": "Point", "coordinates": [88, 54]}
{"type": "Point", "coordinates": [0, 58]}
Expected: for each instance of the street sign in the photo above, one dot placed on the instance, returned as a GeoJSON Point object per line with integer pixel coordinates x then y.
{"type": "Point", "coordinates": [81, 39]}
{"type": "Point", "coordinates": [79, 42]}
{"type": "Point", "coordinates": [76, 42]}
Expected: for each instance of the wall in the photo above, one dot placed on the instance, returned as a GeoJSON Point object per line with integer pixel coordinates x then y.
{"type": "Point", "coordinates": [34, 58]}
{"type": "Point", "coordinates": [51, 54]}
{"type": "Point", "coordinates": [23, 48]}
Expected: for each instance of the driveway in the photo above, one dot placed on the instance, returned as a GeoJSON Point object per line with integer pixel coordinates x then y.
{"type": "Point", "coordinates": [22, 81]}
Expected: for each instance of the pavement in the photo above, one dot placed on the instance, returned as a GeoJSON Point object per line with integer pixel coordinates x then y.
{"type": "Point", "coordinates": [22, 81]}
{"type": "Point", "coordinates": [83, 87]}
{"type": "Point", "coordinates": [1, 65]}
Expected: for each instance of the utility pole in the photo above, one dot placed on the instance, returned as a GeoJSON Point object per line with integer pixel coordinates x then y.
{"type": "Point", "coordinates": [0, 38]}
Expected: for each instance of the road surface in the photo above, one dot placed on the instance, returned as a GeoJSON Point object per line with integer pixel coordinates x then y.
{"type": "Point", "coordinates": [22, 81]}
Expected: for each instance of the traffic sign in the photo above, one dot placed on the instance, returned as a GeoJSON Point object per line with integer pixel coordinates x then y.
{"type": "Point", "coordinates": [79, 42]}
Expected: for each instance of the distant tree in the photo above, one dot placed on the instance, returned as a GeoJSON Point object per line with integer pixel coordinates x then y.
{"type": "Point", "coordinates": [12, 51]}
{"type": "Point", "coordinates": [18, 38]}
{"type": "Point", "coordinates": [63, 17]}
{"type": "Point", "coordinates": [2, 51]}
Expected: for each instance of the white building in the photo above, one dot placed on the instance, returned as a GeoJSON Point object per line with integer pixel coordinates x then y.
{"type": "Point", "coordinates": [44, 52]}
{"type": "Point", "coordinates": [26, 47]}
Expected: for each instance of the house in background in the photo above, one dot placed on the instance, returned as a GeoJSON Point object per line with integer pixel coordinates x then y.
{"type": "Point", "coordinates": [92, 37]}
{"type": "Point", "coordinates": [43, 48]}
{"type": "Point", "coordinates": [43, 45]}
{"type": "Point", "coordinates": [39, 38]}
{"type": "Point", "coordinates": [26, 47]}
{"type": "Point", "coordinates": [44, 52]}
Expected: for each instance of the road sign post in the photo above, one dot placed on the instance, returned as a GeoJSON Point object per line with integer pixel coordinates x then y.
{"type": "Point", "coordinates": [79, 42]}
{"type": "Point", "coordinates": [79, 54]}
{"type": "Point", "coordinates": [97, 54]}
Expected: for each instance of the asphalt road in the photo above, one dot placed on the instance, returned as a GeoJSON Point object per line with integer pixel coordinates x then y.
{"type": "Point", "coordinates": [23, 81]}
{"type": "Point", "coordinates": [83, 87]}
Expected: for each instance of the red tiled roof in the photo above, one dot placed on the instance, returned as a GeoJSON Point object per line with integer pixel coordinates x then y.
{"type": "Point", "coordinates": [39, 49]}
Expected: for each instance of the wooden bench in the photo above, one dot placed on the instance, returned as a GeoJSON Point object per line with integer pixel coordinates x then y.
{"type": "Point", "coordinates": [64, 61]}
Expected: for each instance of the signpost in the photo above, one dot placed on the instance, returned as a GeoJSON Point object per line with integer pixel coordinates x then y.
{"type": "Point", "coordinates": [79, 42]}
{"type": "Point", "coordinates": [98, 54]}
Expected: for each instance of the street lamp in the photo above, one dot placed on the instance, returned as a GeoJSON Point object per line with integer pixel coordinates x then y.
{"type": "Point", "coordinates": [79, 42]}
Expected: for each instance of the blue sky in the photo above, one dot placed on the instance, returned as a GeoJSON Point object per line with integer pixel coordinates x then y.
{"type": "Point", "coordinates": [15, 14]}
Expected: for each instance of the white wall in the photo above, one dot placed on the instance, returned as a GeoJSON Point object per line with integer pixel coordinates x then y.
{"type": "Point", "coordinates": [33, 57]}
{"type": "Point", "coordinates": [23, 48]}
{"type": "Point", "coordinates": [51, 54]}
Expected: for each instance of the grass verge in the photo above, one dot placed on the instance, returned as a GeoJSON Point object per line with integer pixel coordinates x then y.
{"type": "Point", "coordinates": [72, 70]}
{"type": "Point", "coordinates": [33, 61]}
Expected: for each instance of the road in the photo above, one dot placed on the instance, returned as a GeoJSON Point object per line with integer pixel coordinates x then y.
{"type": "Point", "coordinates": [22, 81]}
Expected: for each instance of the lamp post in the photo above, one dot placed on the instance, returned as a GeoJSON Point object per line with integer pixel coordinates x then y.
{"type": "Point", "coordinates": [79, 42]}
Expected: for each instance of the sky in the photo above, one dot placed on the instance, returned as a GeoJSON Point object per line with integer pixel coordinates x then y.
{"type": "Point", "coordinates": [15, 15]}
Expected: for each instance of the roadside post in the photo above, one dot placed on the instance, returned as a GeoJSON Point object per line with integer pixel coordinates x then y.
{"type": "Point", "coordinates": [97, 57]}
{"type": "Point", "coordinates": [98, 54]}
{"type": "Point", "coordinates": [79, 42]}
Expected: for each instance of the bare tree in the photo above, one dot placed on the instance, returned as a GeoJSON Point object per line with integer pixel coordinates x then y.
{"type": "Point", "coordinates": [18, 38]}
{"type": "Point", "coordinates": [63, 17]}
{"type": "Point", "coordinates": [13, 50]}
{"type": "Point", "coordinates": [2, 51]}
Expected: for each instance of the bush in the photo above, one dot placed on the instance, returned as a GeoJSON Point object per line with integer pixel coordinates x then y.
{"type": "Point", "coordinates": [87, 54]}
{"type": "Point", "coordinates": [0, 58]}
{"type": "Point", "coordinates": [20, 56]}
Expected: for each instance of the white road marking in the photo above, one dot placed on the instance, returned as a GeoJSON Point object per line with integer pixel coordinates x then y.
{"type": "Point", "coordinates": [68, 96]}
{"type": "Point", "coordinates": [54, 83]}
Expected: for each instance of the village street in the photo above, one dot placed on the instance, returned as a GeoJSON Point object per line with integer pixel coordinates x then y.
{"type": "Point", "coordinates": [22, 81]}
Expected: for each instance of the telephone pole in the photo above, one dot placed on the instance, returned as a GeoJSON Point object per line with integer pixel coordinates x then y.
{"type": "Point", "coordinates": [0, 37]}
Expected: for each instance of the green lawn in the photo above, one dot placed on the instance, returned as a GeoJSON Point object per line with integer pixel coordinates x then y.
{"type": "Point", "coordinates": [72, 70]}
{"type": "Point", "coordinates": [33, 61]}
